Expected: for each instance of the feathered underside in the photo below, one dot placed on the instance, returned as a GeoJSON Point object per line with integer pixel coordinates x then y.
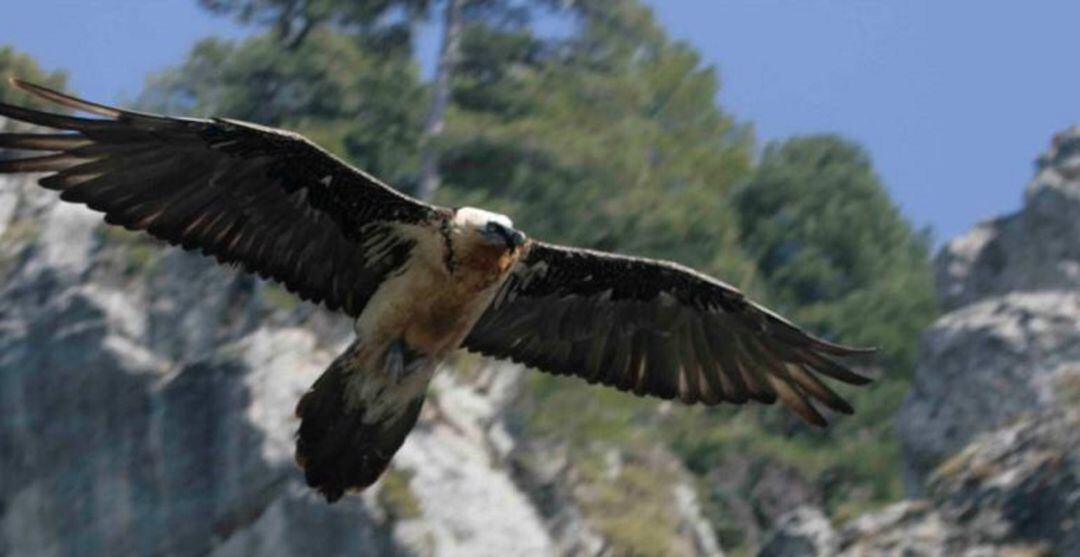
{"type": "Point", "coordinates": [656, 328]}
{"type": "Point", "coordinates": [265, 199]}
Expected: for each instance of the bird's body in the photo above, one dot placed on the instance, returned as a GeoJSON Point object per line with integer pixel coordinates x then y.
{"type": "Point", "coordinates": [458, 275]}
{"type": "Point", "coordinates": [421, 281]}
{"type": "Point", "coordinates": [414, 320]}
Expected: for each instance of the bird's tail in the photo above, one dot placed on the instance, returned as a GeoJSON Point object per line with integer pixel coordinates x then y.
{"type": "Point", "coordinates": [344, 444]}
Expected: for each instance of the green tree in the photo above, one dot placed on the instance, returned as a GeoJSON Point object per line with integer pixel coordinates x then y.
{"type": "Point", "coordinates": [291, 21]}
{"type": "Point", "coordinates": [584, 141]}
{"type": "Point", "coordinates": [362, 103]}
{"type": "Point", "coordinates": [833, 249]}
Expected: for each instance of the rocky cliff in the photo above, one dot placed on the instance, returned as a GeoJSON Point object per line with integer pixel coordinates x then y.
{"type": "Point", "coordinates": [146, 408]}
{"type": "Point", "coordinates": [1009, 343]}
{"type": "Point", "coordinates": [985, 366]}
{"type": "Point", "coordinates": [990, 427]}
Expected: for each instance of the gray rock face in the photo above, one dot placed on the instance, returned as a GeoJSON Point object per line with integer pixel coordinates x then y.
{"type": "Point", "coordinates": [1010, 342]}
{"type": "Point", "coordinates": [1037, 249]}
{"type": "Point", "coordinates": [1019, 485]}
{"type": "Point", "coordinates": [985, 365]}
{"type": "Point", "coordinates": [146, 408]}
{"type": "Point", "coordinates": [468, 504]}
{"type": "Point", "coordinates": [1012, 492]}
{"type": "Point", "coordinates": [804, 531]}
{"type": "Point", "coordinates": [125, 432]}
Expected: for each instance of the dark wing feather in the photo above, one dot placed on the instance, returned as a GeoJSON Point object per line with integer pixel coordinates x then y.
{"type": "Point", "coordinates": [656, 328]}
{"type": "Point", "coordinates": [266, 199]}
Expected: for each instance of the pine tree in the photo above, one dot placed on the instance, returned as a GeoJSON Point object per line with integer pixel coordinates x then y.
{"type": "Point", "coordinates": [361, 102]}
{"type": "Point", "coordinates": [833, 250]}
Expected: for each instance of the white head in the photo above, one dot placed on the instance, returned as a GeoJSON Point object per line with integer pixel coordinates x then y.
{"type": "Point", "coordinates": [491, 228]}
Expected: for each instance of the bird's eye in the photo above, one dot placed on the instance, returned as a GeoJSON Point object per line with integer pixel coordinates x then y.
{"type": "Point", "coordinates": [493, 226]}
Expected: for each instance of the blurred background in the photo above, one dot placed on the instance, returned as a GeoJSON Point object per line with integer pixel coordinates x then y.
{"type": "Point", "coordinates": [901, 175]}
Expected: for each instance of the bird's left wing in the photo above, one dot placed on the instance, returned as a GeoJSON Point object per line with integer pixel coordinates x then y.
{"type": "Point", "coordinates": [655, 328]}
{"type": "Point", "coordinates": [259, 197]}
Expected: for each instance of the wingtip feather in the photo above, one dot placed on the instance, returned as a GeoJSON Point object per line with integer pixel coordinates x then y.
{"type": "Point", "coordinates": [21, 84]}
{"type": "Point", "coordinates": [841, 349]}
{"type": "Point", "coordinates": [64, 99]}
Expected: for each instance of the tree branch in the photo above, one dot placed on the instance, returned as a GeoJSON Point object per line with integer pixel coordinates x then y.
{"type": "Point", "coordinates": [449, 52]}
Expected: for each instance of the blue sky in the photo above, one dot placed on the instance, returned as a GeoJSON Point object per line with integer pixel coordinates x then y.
{"type": "Point", "coordinates": [953, 99]}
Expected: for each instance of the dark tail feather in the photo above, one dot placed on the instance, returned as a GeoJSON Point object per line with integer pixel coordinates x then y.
{"type": "Point", "coordinates": [336, 448]}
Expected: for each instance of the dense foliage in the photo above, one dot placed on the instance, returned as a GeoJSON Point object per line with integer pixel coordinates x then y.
{"type": "Point", "coordinates": [621, 147]}
{"type": "Point", "coordinates": [833, 249]}
{"type": "Point", "coordinates": [360, 102]}
{"type": "Point", "coordinates": [606, 133]}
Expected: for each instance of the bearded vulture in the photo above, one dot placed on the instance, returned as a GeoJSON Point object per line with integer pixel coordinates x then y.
{"type": "Point", "coordinates": [420, 280]}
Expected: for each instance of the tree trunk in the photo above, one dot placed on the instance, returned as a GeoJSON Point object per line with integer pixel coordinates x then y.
{"type": "Point", "coordinates": [440, 99]}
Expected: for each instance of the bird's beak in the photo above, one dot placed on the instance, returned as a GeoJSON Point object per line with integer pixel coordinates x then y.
{"type": "Point", "coordinates": [516, 239]}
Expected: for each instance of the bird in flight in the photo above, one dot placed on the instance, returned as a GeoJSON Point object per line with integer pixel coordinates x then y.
{"type": "Point", "coordinates": [421, 281]}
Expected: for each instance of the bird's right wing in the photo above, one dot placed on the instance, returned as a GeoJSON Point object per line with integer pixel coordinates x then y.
{"type": "Point", "coordinates": [263, 198]}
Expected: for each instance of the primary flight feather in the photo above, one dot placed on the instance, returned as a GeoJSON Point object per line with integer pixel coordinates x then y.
{"type": "Point", "coordinates": [420, 280]}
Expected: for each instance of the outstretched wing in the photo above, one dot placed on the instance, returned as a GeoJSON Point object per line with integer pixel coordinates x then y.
{"type": "Point", "coordinates": [655, 328]}
{"type": "Point", "coordinates": [265, 199]}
